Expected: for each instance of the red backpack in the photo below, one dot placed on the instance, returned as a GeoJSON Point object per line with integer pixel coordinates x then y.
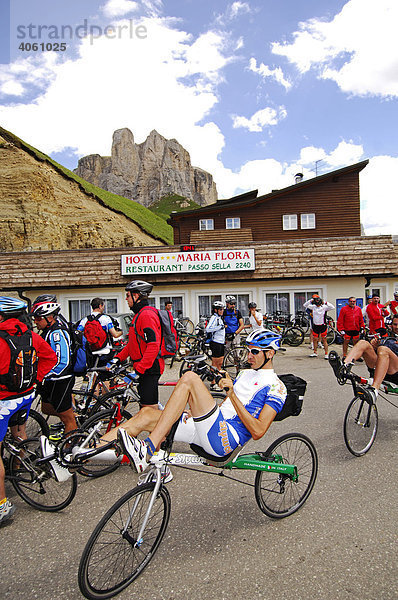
{"type": "Point", "coordinates": [95, 335]}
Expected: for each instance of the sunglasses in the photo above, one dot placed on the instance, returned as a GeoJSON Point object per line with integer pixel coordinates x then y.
{"type": "Point", "coordinates": [254, 351]}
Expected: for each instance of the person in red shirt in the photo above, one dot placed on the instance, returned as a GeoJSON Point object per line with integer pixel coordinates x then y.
{"type": "Point", "coordinates": [145, 336]}
{"type": "Point", "coordinates": [376, 313]}
{"type": "Point", "coordinates": [15, 406]}
{"type": "Point", "coordinates": [350, 323]}
{"type": "Point", "coordinates": [393, 304]}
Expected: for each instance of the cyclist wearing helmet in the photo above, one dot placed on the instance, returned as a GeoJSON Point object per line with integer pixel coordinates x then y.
{"type": "Point", "coordinates": [393, 304]}
{"type": "Point", "coordinates": [253, 401]}
{"type": "Point", "coordinates": [15, 406]}
{"type": "Point", "coordinates": [144, 341]}
{"type": "Point", "coordinates": [56, 390]}
{"type": "Point", "coordinates": [216, 328]}
{"type": "Point", "coordinates": [233, 321]}
{"type": "Point", "coordinates": [255, 317]}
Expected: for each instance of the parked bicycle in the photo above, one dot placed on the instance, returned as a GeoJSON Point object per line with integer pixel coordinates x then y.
{"type": "Point", "coordinates": [280, 323]}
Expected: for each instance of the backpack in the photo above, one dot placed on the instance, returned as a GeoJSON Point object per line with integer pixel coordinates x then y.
{"type": "Point", "coordinates": [22, 371]}
{"type": "Point", "coordinates": [169, 343]}
{"type": "Point", "coordinates": [295, 395]}
{"type": "Point", "coordinates": [95, 335]}
{"type": "Point", "coordinates": [169, 337]}
{"type": "Point", "coordinates": [78, 349]}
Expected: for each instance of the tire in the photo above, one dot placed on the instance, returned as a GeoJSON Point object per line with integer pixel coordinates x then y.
{"type": "Point", "coordinates": [36, 484]}
{"type": "Point", "coordinates": [294, 336]}
{"type": "Point", "coordinates": [189, 327]}
{"type": "Point", "coordinates": [36, 425]}
{"type": "Point", "coordinates": [277, 495]}
{"type": "Point", "coordinates": [110, 562]}
{"type": "Point", "coordinates": [360, 426]}
{"type": "Point", "coordinates": [98, 467]}
{"type": "Point", "coordinates": [330, 336]}
{"type": "Point", "coordinates": [234, 360]}
{"type": "Point", "coordinates": [108, 401]}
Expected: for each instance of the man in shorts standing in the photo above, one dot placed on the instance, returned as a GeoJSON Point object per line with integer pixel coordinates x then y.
{"type": "Point", "coordinates": [350, 323]}
{"type": "Point", "coordinates": [319, 309]}
{"type": "Point", "coordinates": [216, 328]}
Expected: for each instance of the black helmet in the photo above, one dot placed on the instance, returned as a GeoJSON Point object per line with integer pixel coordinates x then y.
{"type": "Point", "coordinates": [252, 305]}
{"type": "Point", "coordinates": [139, 287]}
{"type": "Point", "coordinates": [45, 298]}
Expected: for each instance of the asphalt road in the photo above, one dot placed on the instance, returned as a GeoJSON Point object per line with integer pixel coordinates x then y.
{"type": "Point", "coordinates": [341, 544]}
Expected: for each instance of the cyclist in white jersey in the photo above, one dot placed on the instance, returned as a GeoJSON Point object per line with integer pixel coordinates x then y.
{"type": "Point", "coordinates": [253, 401]}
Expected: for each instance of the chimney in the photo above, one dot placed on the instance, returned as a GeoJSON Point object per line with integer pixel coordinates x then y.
{"type": "Point", "coordinates": [298, 177]}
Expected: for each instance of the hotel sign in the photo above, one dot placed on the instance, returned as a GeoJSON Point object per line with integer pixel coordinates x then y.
{"type": "Point", "coordinates": [188, 262]}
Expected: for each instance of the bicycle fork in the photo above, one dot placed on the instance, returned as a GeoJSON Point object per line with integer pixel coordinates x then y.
{"type": "Point", "coordinates": [136, 543]}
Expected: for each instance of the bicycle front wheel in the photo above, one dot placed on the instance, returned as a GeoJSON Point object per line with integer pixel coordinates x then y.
{"type": "Point", "coordinates": [114, 556]}
{"type": "Point", "coordinates": [108, 420]}
{"type": "Point", "coordinates": [330, 336]}
{"type": "Point", "coordinates": [277, 495]}
{"type": "Point", "coordinates": [360, 426]}
{"type": "Point", "coordinates": [36, 425]}
{"type": "Point", "coordinates": [35, 482]}
{"type": "Point", "coordinates": [294, 336]}
{"type": "Point", "coordinates": [234, 360]}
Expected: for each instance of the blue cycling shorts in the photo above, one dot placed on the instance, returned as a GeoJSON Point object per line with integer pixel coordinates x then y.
{"type": "Point", "coordinates": [8, 408]}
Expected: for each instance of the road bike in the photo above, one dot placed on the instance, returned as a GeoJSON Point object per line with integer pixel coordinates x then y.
{"type": "Point", "coordinates": [361, 417]}
{"type": "Point", "coordinates": [290, 334]}
{"type": "Point", "coordinates": [128, 535]}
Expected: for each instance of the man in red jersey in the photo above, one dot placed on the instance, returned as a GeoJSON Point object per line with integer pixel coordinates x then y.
{"type": "Point", "coordinates": [350, 323]}
{"type": "Point", "coordinates": [145, 336]}
{"type": "Point", "coordinates": [376, 313]}
{"type": "Point", "coordinates": [393, 304]}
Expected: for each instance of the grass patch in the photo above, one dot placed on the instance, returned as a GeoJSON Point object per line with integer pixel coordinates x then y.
{"type": "Point", "coordinates": [173, 202]}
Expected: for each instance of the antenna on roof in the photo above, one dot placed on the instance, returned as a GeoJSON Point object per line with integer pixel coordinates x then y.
{"type": "Point", "coordinates": [316, 166]}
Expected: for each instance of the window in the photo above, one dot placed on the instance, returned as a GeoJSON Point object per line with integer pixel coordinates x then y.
{"type": "Point", "coordinates": [277, 301]}
{"type": "Point", "coordinates": [176, 309]}
{"type": "Point", "coordinates": [307, 221]}
{"type": "Point", "coordinates": [206, 224]}
{"type": "Point", "coordinates": [205, 303]}
{"type": "Point", "coordinates": [81, 308]}
{"type": "Point", "coordinates": [232, 223]}
{"type": "Point", "coordinates": [289, 222]}
{"type": "Point", "coordinates": [301, 297]}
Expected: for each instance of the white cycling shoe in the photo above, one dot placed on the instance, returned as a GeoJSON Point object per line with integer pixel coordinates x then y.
{"type": "Point", "coordinates": [136, 450]}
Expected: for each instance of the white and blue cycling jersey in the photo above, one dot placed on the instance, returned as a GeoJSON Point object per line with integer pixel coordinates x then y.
{"type": "Point", "coordinates": [216, 327]}
{"type": "Point", "coordinates": [221, 431]}
{"type": "Point", "coordinates": [60, 342]}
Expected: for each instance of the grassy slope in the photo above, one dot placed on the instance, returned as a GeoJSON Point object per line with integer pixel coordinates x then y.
{"type": "Point", "coordinates": [166, 205]}
{"type": "Point", "coordinates": [149, 221]}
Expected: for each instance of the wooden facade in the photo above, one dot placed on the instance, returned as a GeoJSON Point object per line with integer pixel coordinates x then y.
{"type": "Point", "coordinates": [333, 198]}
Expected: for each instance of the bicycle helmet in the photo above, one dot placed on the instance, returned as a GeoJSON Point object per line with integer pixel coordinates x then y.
{"type": "Point", "coordinates": [43, 309]}
{"type": "Point", "coordinates": [264, 339]}
{"type": "Point", "coordinates": [11, 307]}
{"type": "Point", "coordinates": [45, 298]}
{"type": "Point", "coordinates": [230, 299]}
{"type": "Point", "coordinates": [139, 287]}
{"type": "Point", "coordinates": [252, 305]}
{"type": "Point", "coordinates": [217, 304]}
{"type": "Point", "coordinates": [396, 293]}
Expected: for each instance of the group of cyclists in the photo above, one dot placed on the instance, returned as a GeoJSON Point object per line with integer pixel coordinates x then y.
{"type": "Point", "coordinates": [252, 401]}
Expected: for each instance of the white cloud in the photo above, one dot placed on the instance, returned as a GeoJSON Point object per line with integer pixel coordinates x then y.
{"type": "Point", "coordinates": [262, 118]}
{"type": "Point", "coordinates": [265, 72]}
{"type": "Point", "coordinates": [379, 196]}
{"type": "Point", "coordinates": [11, 88]}
{"type": "Point", "coordinates": [357, 49]}
{"type": "Point", "coordinates": [167, 81]}
{"type": "Point", "coordinates": [119, 8]}
{"type": "Point", "coordinates": [237, 8]}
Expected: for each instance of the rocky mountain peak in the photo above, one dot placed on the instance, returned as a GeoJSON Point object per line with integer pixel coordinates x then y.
{"type": "Point", "coordinates": [146, 172]}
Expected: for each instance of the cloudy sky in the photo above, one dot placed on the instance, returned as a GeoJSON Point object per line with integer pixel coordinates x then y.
{"type": "Point", "coordinates": [255, 90]}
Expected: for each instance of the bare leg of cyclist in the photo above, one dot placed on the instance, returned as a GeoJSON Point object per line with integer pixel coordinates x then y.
{"type": "Point", "coordinates": [325, 345]}
{"type": "Point", "coordinates": [362, 349]}
{"type": "Point", "coordinates": [67, 417]}
{"type": "Point", "coordinates": [145, 420]}
{"type": "Point", "coordinates": [315, 343]}
{"type": "Point", "coordinates": [387, 362]}
{"type": "Point", "coordinates": [189, 390]}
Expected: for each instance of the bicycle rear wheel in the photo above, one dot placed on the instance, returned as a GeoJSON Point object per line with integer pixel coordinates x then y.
{"type": "Point", "coordinates": [294, 336]}
{"type": "Point", "coordinates": [114, 556]}
{"type": "Point", "coordinates": [34, 481]}
{"type": "Point", "coordinates": [234, 360]}
{"type": "Point", "coordinates": [277, 495]}
{"type": "Point", "coordinates": [360, 426]}
{"type": "Point", "coordinates": [98, 467]}
{"type": "Point", "coordinates": [36, 425]}
{"type": "Point", "coordinates": [330, 336]}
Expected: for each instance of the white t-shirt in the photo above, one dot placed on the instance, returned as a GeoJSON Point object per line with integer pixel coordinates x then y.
{"type": "Point", "coordinates": [253, 322]}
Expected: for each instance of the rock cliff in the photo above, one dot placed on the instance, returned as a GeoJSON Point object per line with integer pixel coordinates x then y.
{"type": "Point", "coordinates": [146, 172]}
{"type": "Point", "coordinates": [40, 209]}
